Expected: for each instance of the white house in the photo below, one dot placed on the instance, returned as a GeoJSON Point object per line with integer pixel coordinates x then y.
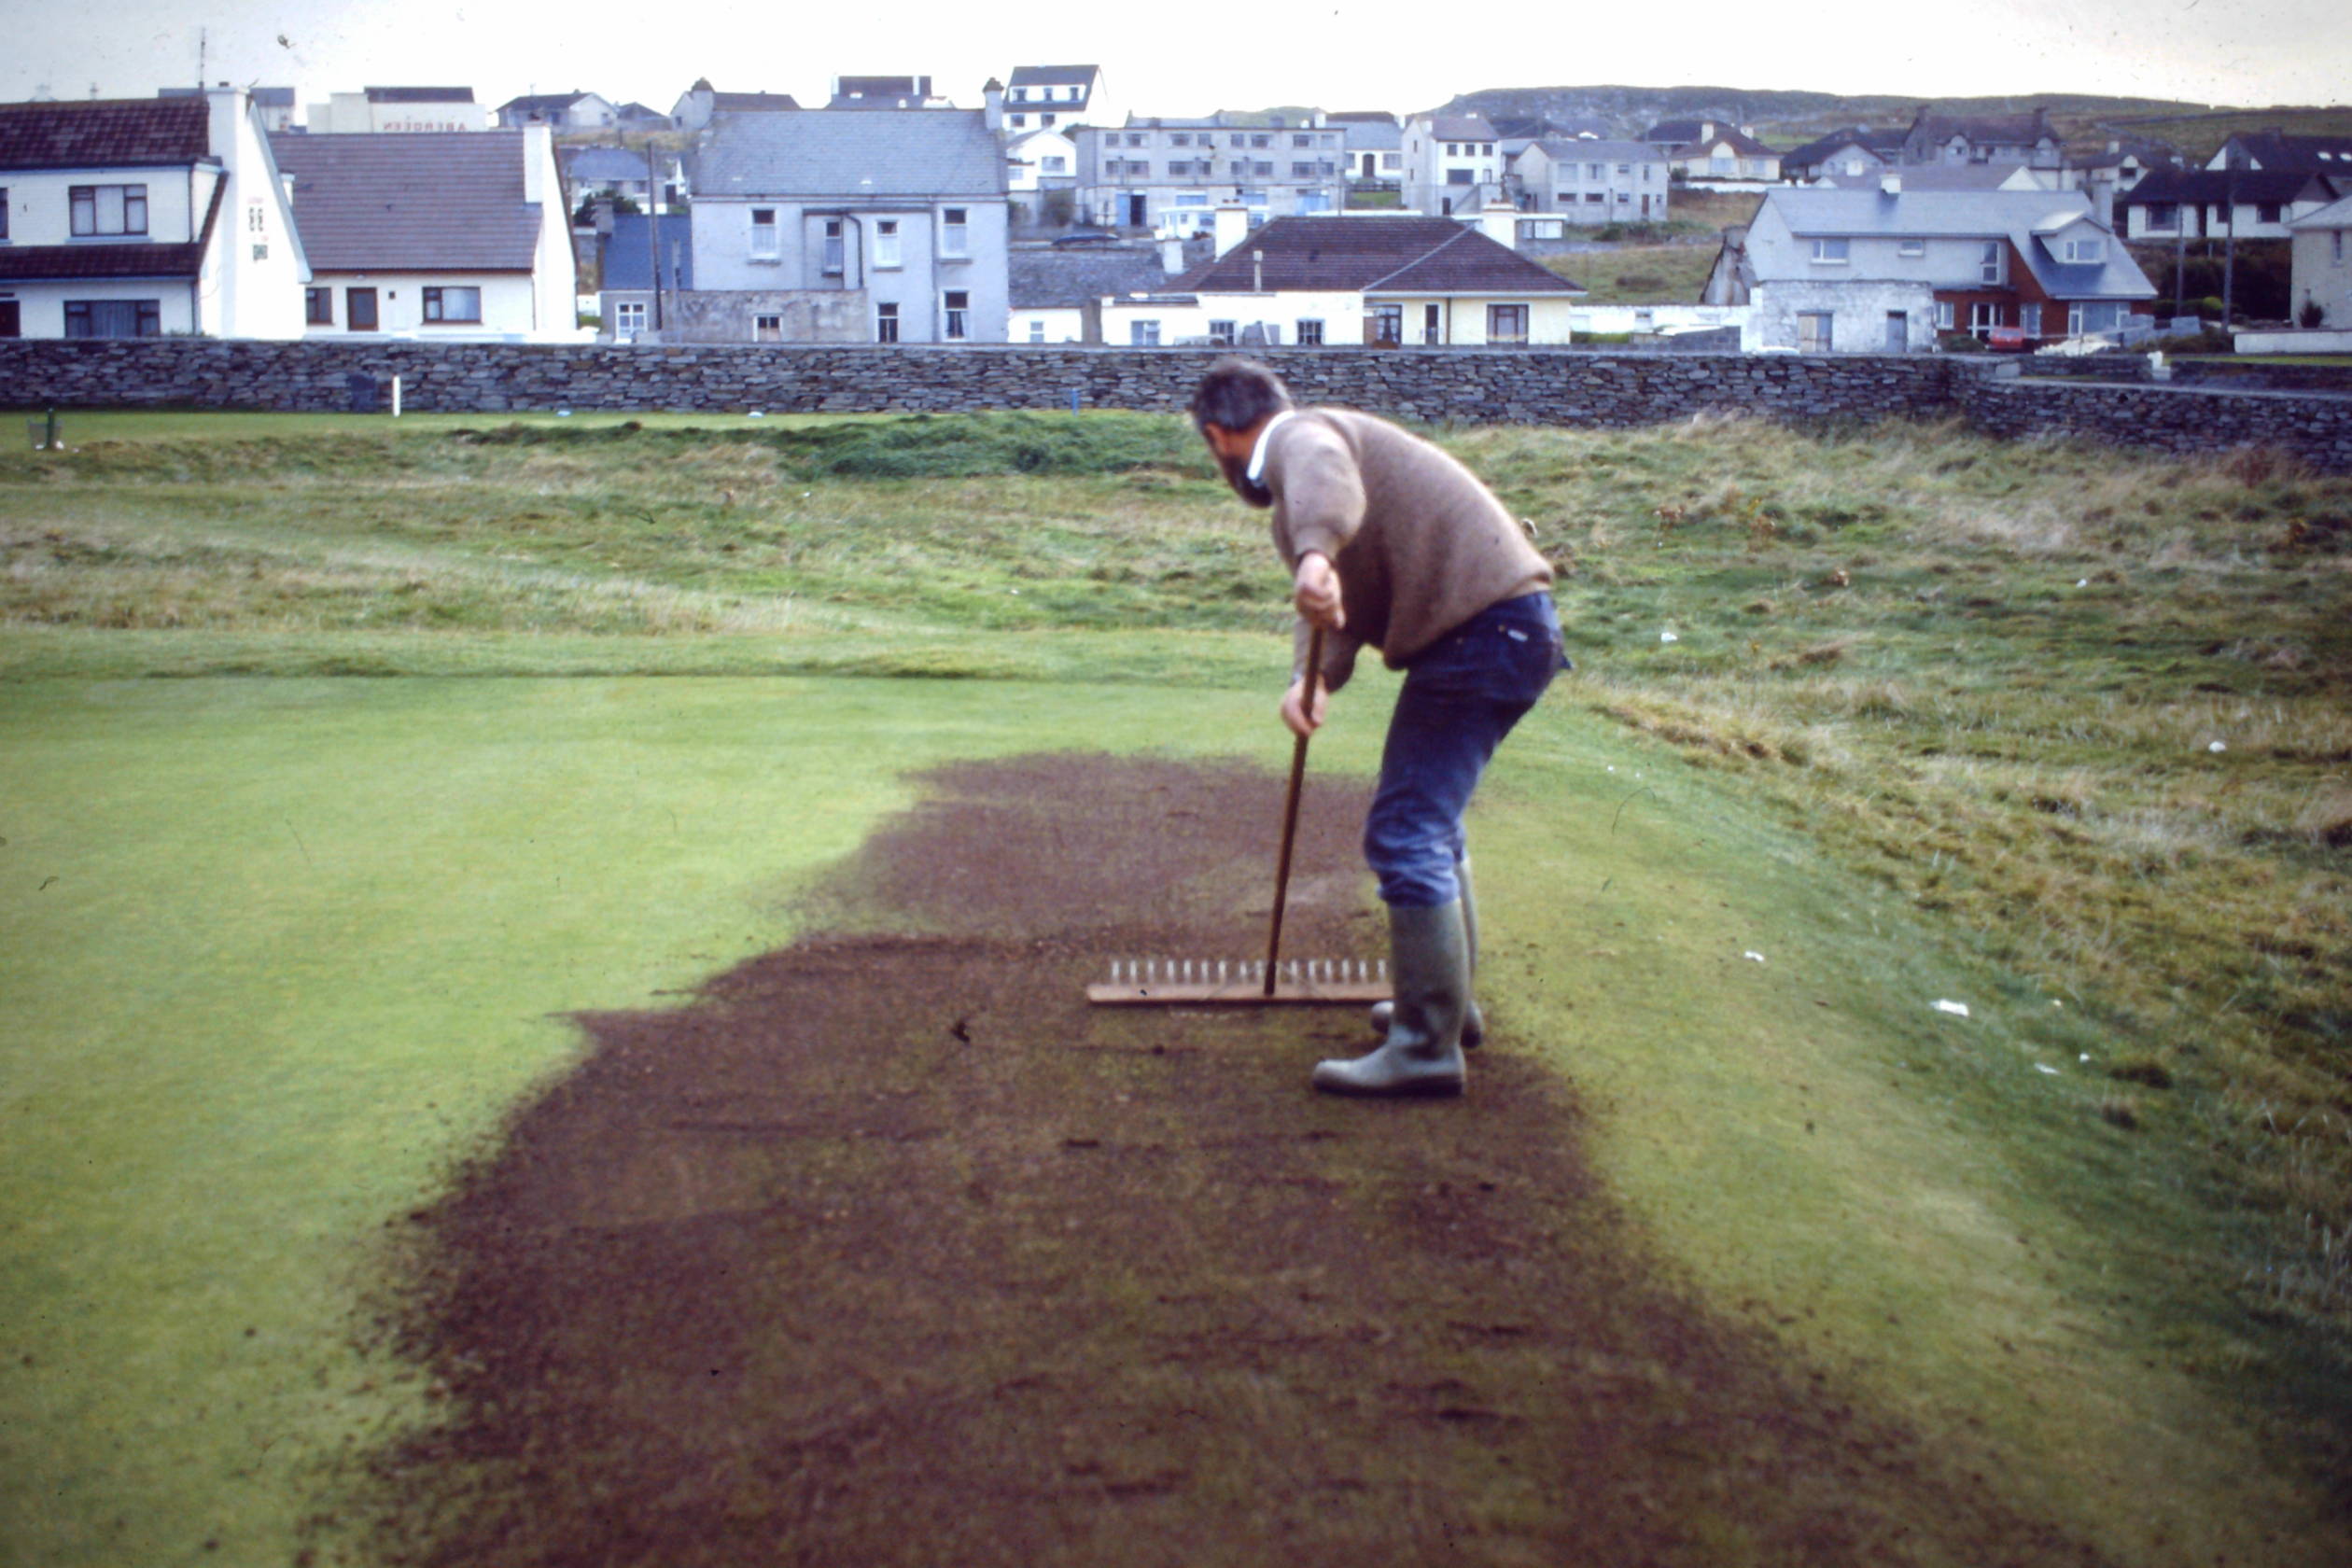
{"type": "Point", "coordinates": [434, 236]}
{"type": "Point", "coordinates": [1038, 163]}
{"type": "Point", "coordinates": [1591, 182]}
{"type": "Point", "coordinates": [1058, 98]}
{"type": "Point", "coordinates": [138, 217]}
{"type": "Point", "coordinates": [1376, 279]}
{"type": "Point", "coordinates": [2322, 262]}
{"type": "Point", "coordinates": [1450, 162]}
{"type": "Point", "coordinates": [378, 110]}
{"type": "Point", "coordinates": [563, 111]}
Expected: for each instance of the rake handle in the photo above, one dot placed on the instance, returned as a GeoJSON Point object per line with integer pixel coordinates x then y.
{"type": "Point", "coordinates": [1290, 810]}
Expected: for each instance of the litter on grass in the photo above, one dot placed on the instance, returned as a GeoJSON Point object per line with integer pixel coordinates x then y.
{"type": "Point", "coordinates": [1957, 1009]}
{"type": "Point", "coordinates": [1751, 953]}
{"type": "Point", "coordinates": [1668, 637]}
{"type": "Point", "coordinates": [2045, 1066]}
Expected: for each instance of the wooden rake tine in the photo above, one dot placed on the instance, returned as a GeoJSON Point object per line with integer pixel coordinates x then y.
{"type": "Point", "coordinates": [1290, 811]}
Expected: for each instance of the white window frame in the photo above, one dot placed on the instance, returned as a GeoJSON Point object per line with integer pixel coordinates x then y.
{"type": "Point", "coordinates": [1498, 317]}
{"type": "Point", "coordinates": [437, 303]}
{"type": "Point", "coordinates": [1310, 333]}
{"type": "Point", "coordinates": [1993, 263]}
{"type": "Point", "coordinates": [955, 308]}
{"type": "Point", "coordinates": [2029, 317]}
{"type": "Point", "coordinates": [955, 232]}
{"type": "Point", "coordinates": [1913, 247]}
{"type": "Point", "coordinates": [764, 244]}
{"type": "Point", "coordinates": [886, 255]}
{"type": "Point", "coordinates": [767, 327]}
{"type": "Point", "coordinates": [1832, 251]}
{"type": "Point", "coordinates": [1945, 316]}
{"type": "Point", "coordinates": [2092, 250]}
{"type": "Point", "coordinates": [90, 208]}
{"type": "Point", "coordinates": [885, 322]}
{"type": "Point", "coordinates": [1144, 333]}
{"type": "Point", "coordinates": [629, 317]}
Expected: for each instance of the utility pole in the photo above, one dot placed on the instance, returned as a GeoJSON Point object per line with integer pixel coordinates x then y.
{"type": "Point", "coordinates": [652, 236]}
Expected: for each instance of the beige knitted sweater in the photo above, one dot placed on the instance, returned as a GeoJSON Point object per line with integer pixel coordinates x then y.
{"type": "Point", "coordinates": [1421, 545]}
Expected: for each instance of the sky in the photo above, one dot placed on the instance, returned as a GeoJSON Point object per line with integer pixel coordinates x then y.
{"type": "Point", "coordinates": [1183, 61]}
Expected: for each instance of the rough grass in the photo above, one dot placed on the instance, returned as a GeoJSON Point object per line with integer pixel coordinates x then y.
{"type": "Point", "coordinates": [1638, 275]}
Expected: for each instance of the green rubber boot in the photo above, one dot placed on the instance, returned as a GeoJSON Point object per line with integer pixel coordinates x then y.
{"type": "Point", "coordinates": [1429, 963]}
{"type": "Point", "coordinates": [1473, 1021]}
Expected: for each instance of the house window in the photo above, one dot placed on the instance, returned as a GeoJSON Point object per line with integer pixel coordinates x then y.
{"type": "Point", "coordinates": [108, 209]}
{"type": "Point", "coordinates": [114, 318]}
{"type": "Point", "coordinates": [2029, 317]}
{"type": "Point", "coordinates": [2335, 242]}
{"type": "Point", "coordinates": [886, 323]}
{"type": "Point", "coordinates": [1812, 331]}
{"type": "Point", "coordinates": [453, 304]}
{"type": "Point", "coordinates": [959, 309]}
{"type": "Point", "coordinates": [1464, 176]}
{"type": "Point", "coordinates": [2096, 315]}
{"type": "Point", "coordinates": [767, 329]}
{"type": "Point", "coordinates": [1135, 139]}
{"type": "Point", "coordinates": [1506, 324]}
{"type": "Point", "coordinates": [953, 230]}
{"type": "Point", "coordinates": [764, 245]}
{"type": "Point", "coordinates": [628, 318]}
{"type": "Point", "coordinates": [1181, 138]}
{"type": "Point", "coordinates": [1036, 331]}
{"type": "Point", "coordinates": [886, 241]}
{"type": "Point", "coordinates": [1053, 164]}
{"type": "Point", "coordinates": [1019, 121]}
{"type": "Point", "coordinates": [832, 247]}
{"type": "Point", "coordinates": [1261, 141]}
{"type": "Point", "coordinates": [1912, 247]}
{"type": "Point", "coordinates": [12, 318]}
{"type": "Point", "coordinates": [1222, 334]}
{"type": "Point", "coordinates": [2086, 250]}
{"type": "Point", "coordinates": [1047, 120]}
{"type": "Point", "coordinates": [1829, 251]}
{"type": "Point", "coordinates": [1310, 333]}
{"type": "Point", "coordinates": [4, 212]}
{"type": "Point", "coordinates": [256, 220]}
{"type": "Point", "coordinates": [1943, 315]}
{"type": "Point", "coordinates": [318, 307]}
{"type": "Point", "coordinates": [1302, 141]}
{"type": "Point", "coordinates": [1989, 265]}
{"type": "Point", "coordinates": [2163, 217]}
{"type": "Point", "coordinates": [1143, 334]}
{"type": "Point", "coordinates": [1985, 315]}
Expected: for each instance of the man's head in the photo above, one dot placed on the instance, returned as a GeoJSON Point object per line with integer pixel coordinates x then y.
{"type": "Point", "coordinates": [1229, 408]}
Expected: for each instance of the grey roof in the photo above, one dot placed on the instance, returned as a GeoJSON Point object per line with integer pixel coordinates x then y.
{"type": "Point", "coordinates": [1045, 278]}
{"type": "Point", "coordinates": [2023, 129]}
{"type": "Point", "coordinates": [627, 260]}
{"type": "Point", "coordinates": [1578, 151]}
{"type": "Point", "coordinates": [411, 201]}
{"type": "Point", "coordinates": [1937, 176]}
{"type": "Point", "coordinates": [851, 153]}
{"type": "Point", "coordinates": [2276, 149]}
{"type": "Point", "coordinates": [1372, 253]}
{"type": "Point", "coordinates": [2028, 219]}
{"type": "Point", "coordinates": [104, 133]}
{"type": "Point", "coordinates": [2243, 185]}
{"type": "Point", "coordinates": [2335, 215]}
{"type": "Point", "coordinates": [1052, 75]}
{"type": "Point", "coordinates": [544, 102]}
{"type": "Point", "coordinates": [1462, 127]}
{"type": "Point", "coordinates": [600, 164]}
{"type": "Point", "coordinates": [1885, 143]}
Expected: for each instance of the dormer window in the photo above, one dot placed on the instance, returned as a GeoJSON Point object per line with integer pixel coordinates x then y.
{"type": "Point", "coordinates": [2092, 250]}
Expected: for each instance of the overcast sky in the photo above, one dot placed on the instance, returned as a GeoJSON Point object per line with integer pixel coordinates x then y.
{"type": "Point", "coordinates": [1181, 59]}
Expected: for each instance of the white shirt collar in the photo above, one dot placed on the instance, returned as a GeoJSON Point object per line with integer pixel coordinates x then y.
{"type": "Point", "coordinates": [1257, 455]}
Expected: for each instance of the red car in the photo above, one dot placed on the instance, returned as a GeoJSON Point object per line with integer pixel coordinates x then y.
{"type": "Point", "coordinates": [2006, 339]}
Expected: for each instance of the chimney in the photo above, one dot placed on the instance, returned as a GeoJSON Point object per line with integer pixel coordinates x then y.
{"type": "Point", "coordinates": [538, 157]}
{"type": "Point", "coordinates": [1232, 225]}
{"type": "Point", "coordinates": [1498, 220]}
{"type": "Point", "coordinates": [1171, 249]}
{"type": "Point", "coordinates": [992, 103]}
{"type": "Point", "coordinates": [1257, 272]}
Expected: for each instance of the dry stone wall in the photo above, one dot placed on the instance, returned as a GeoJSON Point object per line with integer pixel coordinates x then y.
{"type": "Point", "coordinates": [1570, 388]}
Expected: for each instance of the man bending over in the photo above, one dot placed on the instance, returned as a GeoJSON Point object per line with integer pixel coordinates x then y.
{"type": "Point", "coordinates": [1392, 543]}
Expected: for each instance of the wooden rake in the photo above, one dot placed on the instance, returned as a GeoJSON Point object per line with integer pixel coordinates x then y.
{"type": "Point", "coordinates": [1273, 982]}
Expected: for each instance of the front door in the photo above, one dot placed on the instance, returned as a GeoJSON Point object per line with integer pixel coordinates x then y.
{"type": "Point", "coordinates": [1136, 208]}
{"type": "Point", "coordinates": [1430, 331]}
{"type": "Point", "coordinates": [11, 320]}
{"type": "Point", "coordinates": [359, 309]}
{"type": "Point", "coordinates": [1898, 331]}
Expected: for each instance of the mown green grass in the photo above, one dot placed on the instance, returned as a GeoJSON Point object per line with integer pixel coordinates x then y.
{"type": "Point", "coordinates": [1962, 692]}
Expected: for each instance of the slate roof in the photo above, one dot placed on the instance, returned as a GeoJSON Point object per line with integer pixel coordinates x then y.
{"type": "Point", "coordinates": [1937, 176]}
{"type": "Point", "coordinates": [420, 95]}
{"type": "Point", "coordinates": [1052, 75]}
{"type": "Point", "coordinates": [1738, 140]}
{"type": "Point", "coordinates": [627, 264]}
{"type": "Point", "coordinates": [2335, 215]}
{"type": "Point", "coordinates": [2025, 129]}
{"type": "Point", "coordinates": [1885, 143]}
{"type": "Point", "coordinates": [30, 264]}
{"type": "Point", "coordinates": [411, 202]}
{"type": "Point", "coordinates": [1463, 128]}
{"type": "Point", "coordinates": [1372, 255]}
{"type": "Point", "coordinates": [2026, 219]}
{"type": "Point", "coordinates": [603, 165]}
{"type": "Point", "coordinates": [2216, 186]}
{"type": "Point", "coordinates": [1567, 150]}
{"type": "Point", "coordinates": [851, 153]}
{"type": "Point", "coordinates": [751, 102]}
{"type": "Point", "coordinates": [2276, 149]}
{"type": "Point", "coordinates": [105, 134]}
{"type": "Point", "coordinates": [542, 102]}
{"type": "Point", "coordinates": [1045, 279]}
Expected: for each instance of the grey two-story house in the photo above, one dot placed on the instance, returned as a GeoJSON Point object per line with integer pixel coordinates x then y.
{"type": "Point", "coordinates": [848, 225]}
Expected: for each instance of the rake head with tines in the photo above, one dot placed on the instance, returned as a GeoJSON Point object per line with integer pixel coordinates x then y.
{"type": "Point", "coordinates": [1201, 983]}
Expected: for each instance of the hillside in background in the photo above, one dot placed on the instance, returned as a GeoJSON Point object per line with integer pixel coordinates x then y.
{"type": "Point", "coordinates": [1785, 117]}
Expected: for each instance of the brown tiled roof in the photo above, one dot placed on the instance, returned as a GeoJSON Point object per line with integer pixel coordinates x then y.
{"type": "Point", "coordinates": [104, 133]}
{"type": "Point", "coordinates": [411, 201]}
{"type": "Point", "coordinates": [1389, 255]}
{"type": "Point", "coordinates": [31, 263]}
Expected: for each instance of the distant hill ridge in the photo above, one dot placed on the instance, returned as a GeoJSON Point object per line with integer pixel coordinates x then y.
{"type": "Point", "coordinates": [1631, 109]}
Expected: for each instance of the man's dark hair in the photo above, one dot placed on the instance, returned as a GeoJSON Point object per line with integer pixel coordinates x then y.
{"type": "Point", "coordinates": [1236, 394]}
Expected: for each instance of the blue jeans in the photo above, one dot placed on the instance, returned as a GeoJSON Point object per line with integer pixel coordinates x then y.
{"type": "Point", "coordinates": [1461, 695]}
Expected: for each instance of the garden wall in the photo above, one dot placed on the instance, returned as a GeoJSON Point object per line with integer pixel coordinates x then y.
{"type": "Point", "coordinates": [1498, 387]}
